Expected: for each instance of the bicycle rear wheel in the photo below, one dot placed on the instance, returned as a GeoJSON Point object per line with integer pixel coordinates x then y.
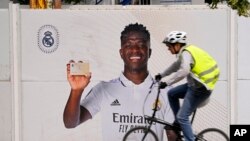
{"type": "Point", "coordinates": [140, 134]}
{"type": "Point", "coordinates": [212, 134]}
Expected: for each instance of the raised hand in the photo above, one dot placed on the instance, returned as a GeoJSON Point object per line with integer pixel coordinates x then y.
{"type": "Point", "coordinates": [77, 82]}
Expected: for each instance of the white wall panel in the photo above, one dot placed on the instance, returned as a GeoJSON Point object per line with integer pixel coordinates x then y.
{"type": "Point", "coordinates": [4, 4]}
{"type": "Point", "coordinates": [42, 114]}
{"type": "Point", "coordinates": [5, 84]}
{"type": "Point", "coordinates": [217, 110]}
{"type": "Point", "coordinates": [243, 114]}
{"type": "Point", "coordinates": [5, 111]}
{"type": "Point", "coordinates": [4, 47]}
{"type": "Point", "coordinates": [243, 48]}
{"type": "Point", "coordinates": [243, 81]}
{"type": "Point", "coordinates": [90, 34]}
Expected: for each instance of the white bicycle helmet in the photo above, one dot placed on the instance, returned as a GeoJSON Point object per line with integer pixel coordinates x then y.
{"type": "Point", "coordinates": [176, 37]}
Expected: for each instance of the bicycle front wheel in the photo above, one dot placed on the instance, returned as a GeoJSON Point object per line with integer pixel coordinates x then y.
{"type": "Point", "coordinates": [140, 134]}
{"type": "Point", "coordinates": [212, 134]}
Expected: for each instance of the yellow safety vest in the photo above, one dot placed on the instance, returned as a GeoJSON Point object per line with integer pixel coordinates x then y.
{"type": "Point", "coordinates": [205, 67]}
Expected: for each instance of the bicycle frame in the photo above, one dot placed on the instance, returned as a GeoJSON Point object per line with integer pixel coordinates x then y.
{"type": "Point", "coordinates": [201, 136]}
{"type": "Point", "coordinates": [153, 119]}
{"type": "Point", "coordinates": [154, 110]}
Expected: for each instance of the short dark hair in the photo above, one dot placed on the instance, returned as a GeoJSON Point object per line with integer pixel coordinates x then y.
{"type": "Point", "coordinates": [137, 28]}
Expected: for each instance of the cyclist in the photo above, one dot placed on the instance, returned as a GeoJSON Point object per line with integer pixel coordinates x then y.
{"type": "Point", "coordinates": [202, 73]}
{"type": "Point", "coordinates": [120, 100]}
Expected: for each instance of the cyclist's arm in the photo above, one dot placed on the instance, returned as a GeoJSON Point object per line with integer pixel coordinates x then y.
{"type": "Point", "coordinates": [172, 68]}
{"type": "Point", "coordinates": [184, 69]}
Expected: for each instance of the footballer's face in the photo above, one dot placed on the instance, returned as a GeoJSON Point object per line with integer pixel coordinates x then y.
{"type": "Point", "coordinates": [135, 51]}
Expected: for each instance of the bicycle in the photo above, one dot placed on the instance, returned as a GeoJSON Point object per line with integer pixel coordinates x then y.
{"type": "Point", "coordinates": [150, 135]}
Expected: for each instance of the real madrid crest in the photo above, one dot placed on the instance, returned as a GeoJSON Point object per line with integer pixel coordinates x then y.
{"type": "Point", "coordinates": [157, 104]}
{"type": "Point", "coordinates": [48, 38]}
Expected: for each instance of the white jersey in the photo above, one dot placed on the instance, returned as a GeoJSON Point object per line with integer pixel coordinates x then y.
{"type": "Point", "coordinates": [123, 105]}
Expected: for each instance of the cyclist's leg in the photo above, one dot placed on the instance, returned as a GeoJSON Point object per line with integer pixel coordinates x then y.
{"type": "Point", "coordinates": [183, 116]}
{"type": "Point", "coordinates": [192, 99]}
{"type": "Point", "coordinates": [174, 95]}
